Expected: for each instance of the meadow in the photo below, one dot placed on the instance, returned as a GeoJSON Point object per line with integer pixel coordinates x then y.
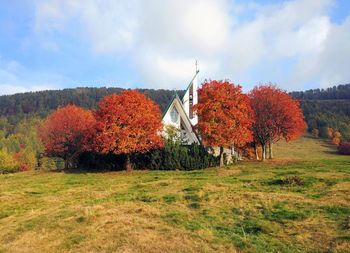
{"type": "Point", "coordinates": [299, 202]}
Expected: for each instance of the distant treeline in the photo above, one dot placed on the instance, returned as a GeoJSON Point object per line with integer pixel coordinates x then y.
{"type": "Point", "coordinates": [336, 92]}
{"type": "Point", "coordinates": [42, 102]}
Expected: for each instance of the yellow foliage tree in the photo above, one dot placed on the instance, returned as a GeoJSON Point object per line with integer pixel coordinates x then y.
{"type": "Point", "coordinates": [7, 163]}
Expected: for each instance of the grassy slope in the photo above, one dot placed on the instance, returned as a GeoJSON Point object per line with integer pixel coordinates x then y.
{"type": "Point", "coordinates": [241, 208]}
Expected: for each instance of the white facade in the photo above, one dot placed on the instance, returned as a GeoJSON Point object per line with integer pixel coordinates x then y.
{"type": "Point", "coordinates": [180, 115]}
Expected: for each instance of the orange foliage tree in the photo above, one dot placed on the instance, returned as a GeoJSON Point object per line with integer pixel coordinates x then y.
{"type": "Point", "coordinates": [336, 138]}
{"type": "Point", "coordinates": [67, 132]}
{"type": "Point", "coordinates": [224, 115]}
{"type": "Point", "coordinates": [128, 123]}
{"type": "Point", "coordinates": [276, 116]}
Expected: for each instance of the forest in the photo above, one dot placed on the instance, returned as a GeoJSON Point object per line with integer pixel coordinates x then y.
{"type": "Point", "coordinates": [326, 108]}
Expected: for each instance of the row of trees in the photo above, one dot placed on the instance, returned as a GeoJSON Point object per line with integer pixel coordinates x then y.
{"type": "Point", "coordinates": [126, 123]}
{"type": "Point", "coordinates": [130, 123]}
{"type": "Point", "coordinates": [323, 108]}
{"type": "Point", "coordinates": [263, 117]}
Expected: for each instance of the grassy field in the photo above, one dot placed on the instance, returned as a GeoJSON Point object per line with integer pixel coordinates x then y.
{"type": "Point", "coordinates": [300, 202]}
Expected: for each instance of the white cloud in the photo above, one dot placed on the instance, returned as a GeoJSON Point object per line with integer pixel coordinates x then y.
{"type": "Point", "coordinates": [164, 37]}
{"type": "Point", "coordinates": [15, 78]}
{"type": "Point", "coordinates": [330, 65]}
{"type": "Point", "coordinates": [108, 25]}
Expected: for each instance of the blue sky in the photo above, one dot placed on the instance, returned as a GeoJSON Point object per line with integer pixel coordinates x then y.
{"type": "Point", "coordinates": [52, 44]}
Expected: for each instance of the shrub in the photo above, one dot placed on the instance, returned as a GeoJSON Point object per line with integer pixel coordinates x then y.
{"type": "Point", "coordinates": [344, 148]}
{"type": "Point", "coordinates": [51, 163]}
{"type": "Point", "coordinates": [7, 163]}
{"type": "Point", "coordinates": [175, 156]}
{"type": "Point", "coordinates": [101, 162]}
{"type": "Point", "coordinates": [26, 159]}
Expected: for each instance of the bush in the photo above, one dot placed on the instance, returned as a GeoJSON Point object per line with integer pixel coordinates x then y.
{"type": "Point", "coordinates": [26, 159]}
{"type": "Point", "coordinates": [51, 163]}
{"type": "Point", "coordinates": [7, 163]}
{"type": "Point", "coordinates": [174, 156]}
{"type": "Point", "coordinates": [344, 148]}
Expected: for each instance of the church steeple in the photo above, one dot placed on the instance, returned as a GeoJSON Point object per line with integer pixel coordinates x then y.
{"type": "Point", "coordinates": [191, 97]}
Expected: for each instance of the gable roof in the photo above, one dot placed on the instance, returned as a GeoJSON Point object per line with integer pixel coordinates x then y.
{"type": "Point", "coordinates": [176, 95]}
{"type": "Point", "coordinates": [183, 112]}
{"type": "Point", "coordinates": [169, 104]}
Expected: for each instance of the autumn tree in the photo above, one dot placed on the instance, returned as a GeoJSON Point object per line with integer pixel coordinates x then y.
{"type": "Point", "coordinates": [276, 116]}
{"type": "Point", "coordinates": [336, 138]}
{"type": "Point", "coordinates": [128, 123]}
{"type": "Point", "coordinates": [67, 132]}
{"type": "Point", "coordinates": [330, 132]}
{"type": "Point", "coordinates": [7, 163]}
{"type": "Point", "coordinates": [224, 115]}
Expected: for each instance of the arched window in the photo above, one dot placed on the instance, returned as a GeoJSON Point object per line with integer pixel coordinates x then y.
{"type": "Point", "coordinates": [174, 114]}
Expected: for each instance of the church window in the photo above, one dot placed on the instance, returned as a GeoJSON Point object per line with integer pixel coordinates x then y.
{"type": "Point", "coordinates": [174, 114]}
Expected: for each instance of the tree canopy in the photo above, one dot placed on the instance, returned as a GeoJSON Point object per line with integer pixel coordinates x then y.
{"type": "Point", "coordinates": [128, 123]}
{"type": "Point", "coordinates": [67, 132]}
{"type": "Point", "coordinates": [224, 113]}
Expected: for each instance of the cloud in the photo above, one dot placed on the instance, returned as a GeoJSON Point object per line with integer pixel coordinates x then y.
{"type": "Point", "coordinates": [330, 65]}
{"type": "Point", "coordinates": [15, 78]}
{"type": "Point", "coordinates": [163, 38]}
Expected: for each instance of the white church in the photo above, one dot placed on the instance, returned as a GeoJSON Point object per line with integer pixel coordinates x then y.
{"type": "Point", "coordinates": [179, 113]}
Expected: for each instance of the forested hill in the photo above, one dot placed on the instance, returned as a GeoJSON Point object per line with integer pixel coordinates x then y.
{"type": "Point", "coordinates": [327, 108]}
{"type": "Point", "coordinates": [43, 102]}
{"type": "Point", "coordinates": [336, 92]}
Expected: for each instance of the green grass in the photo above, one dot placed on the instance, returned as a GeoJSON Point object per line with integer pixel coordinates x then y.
{"type": "Point", "coordinates": [299, 202]}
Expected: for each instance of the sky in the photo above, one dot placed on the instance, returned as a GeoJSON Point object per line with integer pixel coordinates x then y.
{"type": "Point", "coordinates": [56, 44]}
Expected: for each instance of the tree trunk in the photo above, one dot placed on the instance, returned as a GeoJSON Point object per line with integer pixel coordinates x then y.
{"type": "Point", "coordinates": [270, 150]}
{"type": "Point", "coordinates": [66, 164]}
{"type": "Point", "coordinates": [221, 156]}
{"type": "Point", "coordinates": [263, 152]}
{"type": "Point", "coordinates": [128, 164]}
{"type": "Point", "coordinates": [256, 152]}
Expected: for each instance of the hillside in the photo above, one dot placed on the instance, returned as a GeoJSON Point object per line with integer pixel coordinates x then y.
{"type": "Point", "coordinates": [336, 92]}
{"type": "Point", "coordinates": [286, 205]}
{"type": "Point", "coordinates": [43, 102]}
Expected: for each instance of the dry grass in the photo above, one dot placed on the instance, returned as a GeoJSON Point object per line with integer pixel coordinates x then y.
{"type": "Point", "coordinates": [249, 207]}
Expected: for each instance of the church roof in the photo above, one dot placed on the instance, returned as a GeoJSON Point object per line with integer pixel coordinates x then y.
{"type": "Point", "coordinates": [169, 104]}
{"type": "Point", "coordinates": [176, 97]}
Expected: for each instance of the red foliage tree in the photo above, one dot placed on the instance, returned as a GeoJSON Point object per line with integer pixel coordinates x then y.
{"type": "Point", "coordinates": [67, 132]}
{"type": "Point", "coordinates": [276, 116]}
{"type": "Point", "coordinates": [224, 115]}
{"type": "Point", "coordinates": [128, 123]}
